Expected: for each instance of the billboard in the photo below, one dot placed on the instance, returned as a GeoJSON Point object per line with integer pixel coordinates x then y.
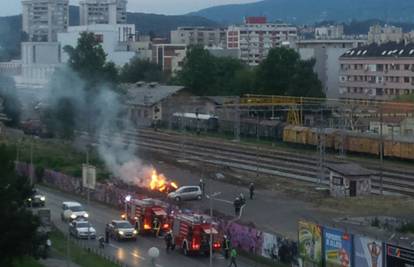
{"type": "Point", "coordinates": [399, 256]}
{"type": "Point", "coordinates": [368, 252]}
{"type": "Point", "coordinates": [310, 243]}
{"type": "Point", "coordinates": [270, 246]}
{"type": "Point", "coordinates": [337, 248]}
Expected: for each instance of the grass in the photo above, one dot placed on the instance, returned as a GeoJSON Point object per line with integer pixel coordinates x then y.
{"type": "Point", "coordinates": [27, 262]}
{"type": "Point", "coordinates": [78, 255]}
{"type": "Point", "coordinates": [54, 154]}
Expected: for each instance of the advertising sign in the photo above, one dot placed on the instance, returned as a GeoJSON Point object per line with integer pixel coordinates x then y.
{"type": "Point", "coordinates": [88, 176]}
{"type": "Point", "coordinates": [399, 256]}
{"type": "Point", "coordinates": [368, 252]}
{"type": "Point", "coordinates": [337, 247]}
{"type": "Point", "coordinates": [270, 248]}
{"type": "Point", "coordinates": [310, 243]}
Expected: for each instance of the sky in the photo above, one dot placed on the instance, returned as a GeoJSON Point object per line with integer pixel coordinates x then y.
{"type": "Point", "coordinates": [12, 7]}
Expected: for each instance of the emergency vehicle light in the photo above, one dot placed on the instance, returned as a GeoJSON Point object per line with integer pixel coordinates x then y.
{"type": "Point", "coordinates": [166, 225]}
{"type": "Point", "coordinates": [216, 245]}
{"type": "Point", "coordinates": [147, 227]}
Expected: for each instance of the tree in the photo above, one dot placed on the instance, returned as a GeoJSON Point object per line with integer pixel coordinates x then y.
{"type": "Point", "coordinates": [18, 224]}
{"type": "Point", "coordinates": [204, 74]}
{"type": "Point", "coordinates": [141, 70]}
{"type": "Point", "coordinates": [11, 103]}
{"type": "Point", "coordinates": [88, 59]}
{"type": "Point", "coordinates": [284, 73]}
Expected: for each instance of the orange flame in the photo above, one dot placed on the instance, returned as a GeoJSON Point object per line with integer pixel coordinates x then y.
{"type": "Point", "coordinates": [160, 183]}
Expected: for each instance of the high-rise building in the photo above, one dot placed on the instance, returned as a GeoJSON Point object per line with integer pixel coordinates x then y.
{"type": "Point", "coordinates": [103, 12]}
{"type": "Point", "coordinates": [380, 35]}
{"type": "Point", "coordinates": [204, 36]}
{"type": "Point", "coordinates": [256, 37]}
{"type": "Point", "coordinates": [44, 19]}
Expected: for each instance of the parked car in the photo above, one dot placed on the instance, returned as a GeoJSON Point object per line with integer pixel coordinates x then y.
{"type": "Point", "coordinates": [36, 199]}
{"type": "Point", "coordinates": [186, 193]}
{"type": "Point", "coordinates": [72, 210]}
{"type": "Point", "coordinates": [121, 230]}
{"type": "Point", "coordinates": [79, 229]}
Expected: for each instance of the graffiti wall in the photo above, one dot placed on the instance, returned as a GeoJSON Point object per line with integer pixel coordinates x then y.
{"type": "Point", "coordinates": [245, 238]}
{"type": "Point", "coordinates": [310, 243]}
{"type": "Point", "coordinates": [368, 252]}
{"type": "Point", "coordinates": [270, 246]}
{"type": "Point", "coordinates": [337, 248]}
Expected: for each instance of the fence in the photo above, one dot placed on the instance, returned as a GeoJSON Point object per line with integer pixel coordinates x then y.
{"type": "Point", "coordinates": [243, 237]}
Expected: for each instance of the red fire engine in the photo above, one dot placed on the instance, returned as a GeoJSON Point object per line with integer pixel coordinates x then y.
{"type": "Point", "coordinates": [192, 234]}
{"type": "Point", "coordinates": [149, 216]}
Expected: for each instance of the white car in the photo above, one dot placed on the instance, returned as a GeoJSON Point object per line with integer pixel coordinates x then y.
{"type": "Point", "coordinates": [72, 211]}
{"type": "Point", "coordinates": [79, 229]}
{"type": "Point", "coordinates": [186, 193]}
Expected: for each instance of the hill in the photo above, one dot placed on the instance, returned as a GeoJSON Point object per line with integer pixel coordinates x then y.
{"type": "Point", "coordinates": [158, 25]}
{"type": "Point", "coordinates": [311, 11]}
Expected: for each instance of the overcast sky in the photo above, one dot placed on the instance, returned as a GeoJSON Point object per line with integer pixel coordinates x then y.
{"type": "Point", "coordinates": [12, 7]}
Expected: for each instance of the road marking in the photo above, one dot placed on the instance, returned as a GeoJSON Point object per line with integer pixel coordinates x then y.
{"type": "Point", "coordinates": [137, 256]}
{"type": "Point", "coordinates": [223, 200]}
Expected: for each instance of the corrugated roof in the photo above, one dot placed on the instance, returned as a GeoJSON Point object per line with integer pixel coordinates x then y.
{"type": "Point", "coordinates": [387, 50]}
{"type": "Point", "coordinates": [148, 94]}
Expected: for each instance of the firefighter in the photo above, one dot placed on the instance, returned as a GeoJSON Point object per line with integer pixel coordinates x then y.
{"type": "Point", "coordinates": [242, 199]}
{"type": "Point", "coordinates": [233, 255]}
{"type": "Point", "coordinates": [107, 233]}
{"type": "Point", "coordinates": [156, 226]}
{"type": "Point", "coordinates": [251, 190]}
{"type": "Point", "coordinates": [237, 206]}
{"type": "Point", "coordinates": [169, 241]}
{"type": "Point", "coordinates": [226, 247]}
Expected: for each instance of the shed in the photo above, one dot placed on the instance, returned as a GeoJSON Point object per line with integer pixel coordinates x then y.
{"type": "Point", "coordinates": [349, 180]}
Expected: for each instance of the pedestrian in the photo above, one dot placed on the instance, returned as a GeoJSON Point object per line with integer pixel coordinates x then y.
{"type": "Point", "coordinates": [156, 226]}
{"type": "Point", "coordinates": [242, 199]}
{"type": "Point", "coordinates": [202, 185]}
{"type": "Point", "coordinates": [237, 205]}
{"type": "Point", "coordinates": [251, 190]}
{"type": "Point", "coordinates": [226, 247]}
{"type": "Point", "coordinates": [107, 234]}
{"type": "Point", "coordinates": [168, 241]}
{"type": "Point", "coordinates": [233, 255]}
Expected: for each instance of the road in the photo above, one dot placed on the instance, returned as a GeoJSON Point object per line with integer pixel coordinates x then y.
{"type": "Point", "coordinates": [129, 253]}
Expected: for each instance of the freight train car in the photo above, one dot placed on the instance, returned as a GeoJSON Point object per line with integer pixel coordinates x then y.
{"type": "Point", "coordinates": [195, 122]}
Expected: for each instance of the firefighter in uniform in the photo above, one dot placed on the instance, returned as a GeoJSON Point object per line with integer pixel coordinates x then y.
{"type": "Point", "coordinates": [237, 206]}
{"type": "Point", "coordinates": [251, 190]}
{"type": "Point", "coordinates": [156, 226]}
{"type": "Point", "coordinates": [169, 241]}
{"type": "Point", "coordinates": [226, 247]}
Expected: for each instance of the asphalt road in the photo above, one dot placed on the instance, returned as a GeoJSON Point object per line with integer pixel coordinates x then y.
{"type": "Point", "coordinates": [129, 252]}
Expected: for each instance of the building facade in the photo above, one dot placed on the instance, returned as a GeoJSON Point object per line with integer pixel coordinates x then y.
{"type": "Point", "coordinates": [326, 54]}
{"type": "Point", "coordinates": [204, 36]}
{"type": "Point", "coordinates": [116, 40]}
{"type": "Point", "coordinates": [331, 32]}
{"type": "Point", "coordinates": [103, 12]}
{"type": "Point", "coordinates": [256, 37]}
{"type": "Point", "coordinates": [379, 35]}
{"type": "Point", "coordinates": [44, 19]}
{"type": "Point", "coordinates": [378, 72]}
{"type": "Point", "coordinates": [169, 56]}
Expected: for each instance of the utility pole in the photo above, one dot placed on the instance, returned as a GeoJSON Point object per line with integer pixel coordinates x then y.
{"type": "Point", "coordinates": [321, 144]}
{"type": "Point", "coordinates": [210, 197]}
{"type": "Point", "coordinates": [257, 144]}
{"type": "Point", "coordinates": [31, 160]}
{"type": "Point", "coordinates": [237, 126]}
{"type": "Point", "coordinates": [381, 154]}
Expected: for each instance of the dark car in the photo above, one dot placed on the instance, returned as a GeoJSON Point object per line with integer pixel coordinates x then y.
{"type": "Point", "coordinates": [36, 199]}
{"type": "Point", "coordinates": [121, 230]}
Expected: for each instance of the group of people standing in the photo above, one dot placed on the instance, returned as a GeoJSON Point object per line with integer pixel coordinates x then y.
{"type": "Point", "coordinates": [240, 201]}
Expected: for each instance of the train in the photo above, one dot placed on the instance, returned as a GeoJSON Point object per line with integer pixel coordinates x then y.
{"type": "Point", "coordinates": [274, 130]}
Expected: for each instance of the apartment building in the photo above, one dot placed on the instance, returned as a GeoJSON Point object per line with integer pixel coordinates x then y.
{"type": "Point", "coordinates": [44, 19]}
{"type": "Point", "coordinates": [256, 37]}
{"type": "Point", "coordinates": [169, 56]}
{"type": "Point", "coordinates": [329, 32]}
{"type": "Point", "coordinates": [377, 72]}
{"type": "Point", "coordinates": [103, 12]}
{"type": "Point", "coordinates": [380, 35]}
{"type": "Point", "coordinates": [326, 54]}
{"type": "Point", "coordinates": [204, 36]}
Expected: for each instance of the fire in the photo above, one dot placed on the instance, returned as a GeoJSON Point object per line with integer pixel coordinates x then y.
{"type": "Point", "coordinates": [160, 183]}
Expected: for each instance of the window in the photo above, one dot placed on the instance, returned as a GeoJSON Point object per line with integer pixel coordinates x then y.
{"type": "Point", "coordinates": [406, 79]}
{"type": "Point", "coordinates": [406, 66]}
{"type": "Point", "coordinates": [336, 180]}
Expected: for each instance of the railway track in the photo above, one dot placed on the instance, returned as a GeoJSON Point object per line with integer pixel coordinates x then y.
{"type": "Point", "coordinates": [251, 158]}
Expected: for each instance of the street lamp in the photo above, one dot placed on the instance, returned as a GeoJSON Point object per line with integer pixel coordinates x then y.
{"type": "Point", "coordinates": [211, 197]}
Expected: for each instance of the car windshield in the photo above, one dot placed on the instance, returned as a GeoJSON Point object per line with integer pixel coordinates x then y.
{"type": "Point", "coordinates": [82, 225]}
{"type": "Point", "coordinates": [124, 225]}
{"type": "Point", "coordinates": [76, 208]}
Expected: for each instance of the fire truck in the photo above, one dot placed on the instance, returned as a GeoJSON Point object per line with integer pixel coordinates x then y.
{"type": "Point", "coordinates": [192, 234]}
{"type": "Point", "coordinates": [149, 216]}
